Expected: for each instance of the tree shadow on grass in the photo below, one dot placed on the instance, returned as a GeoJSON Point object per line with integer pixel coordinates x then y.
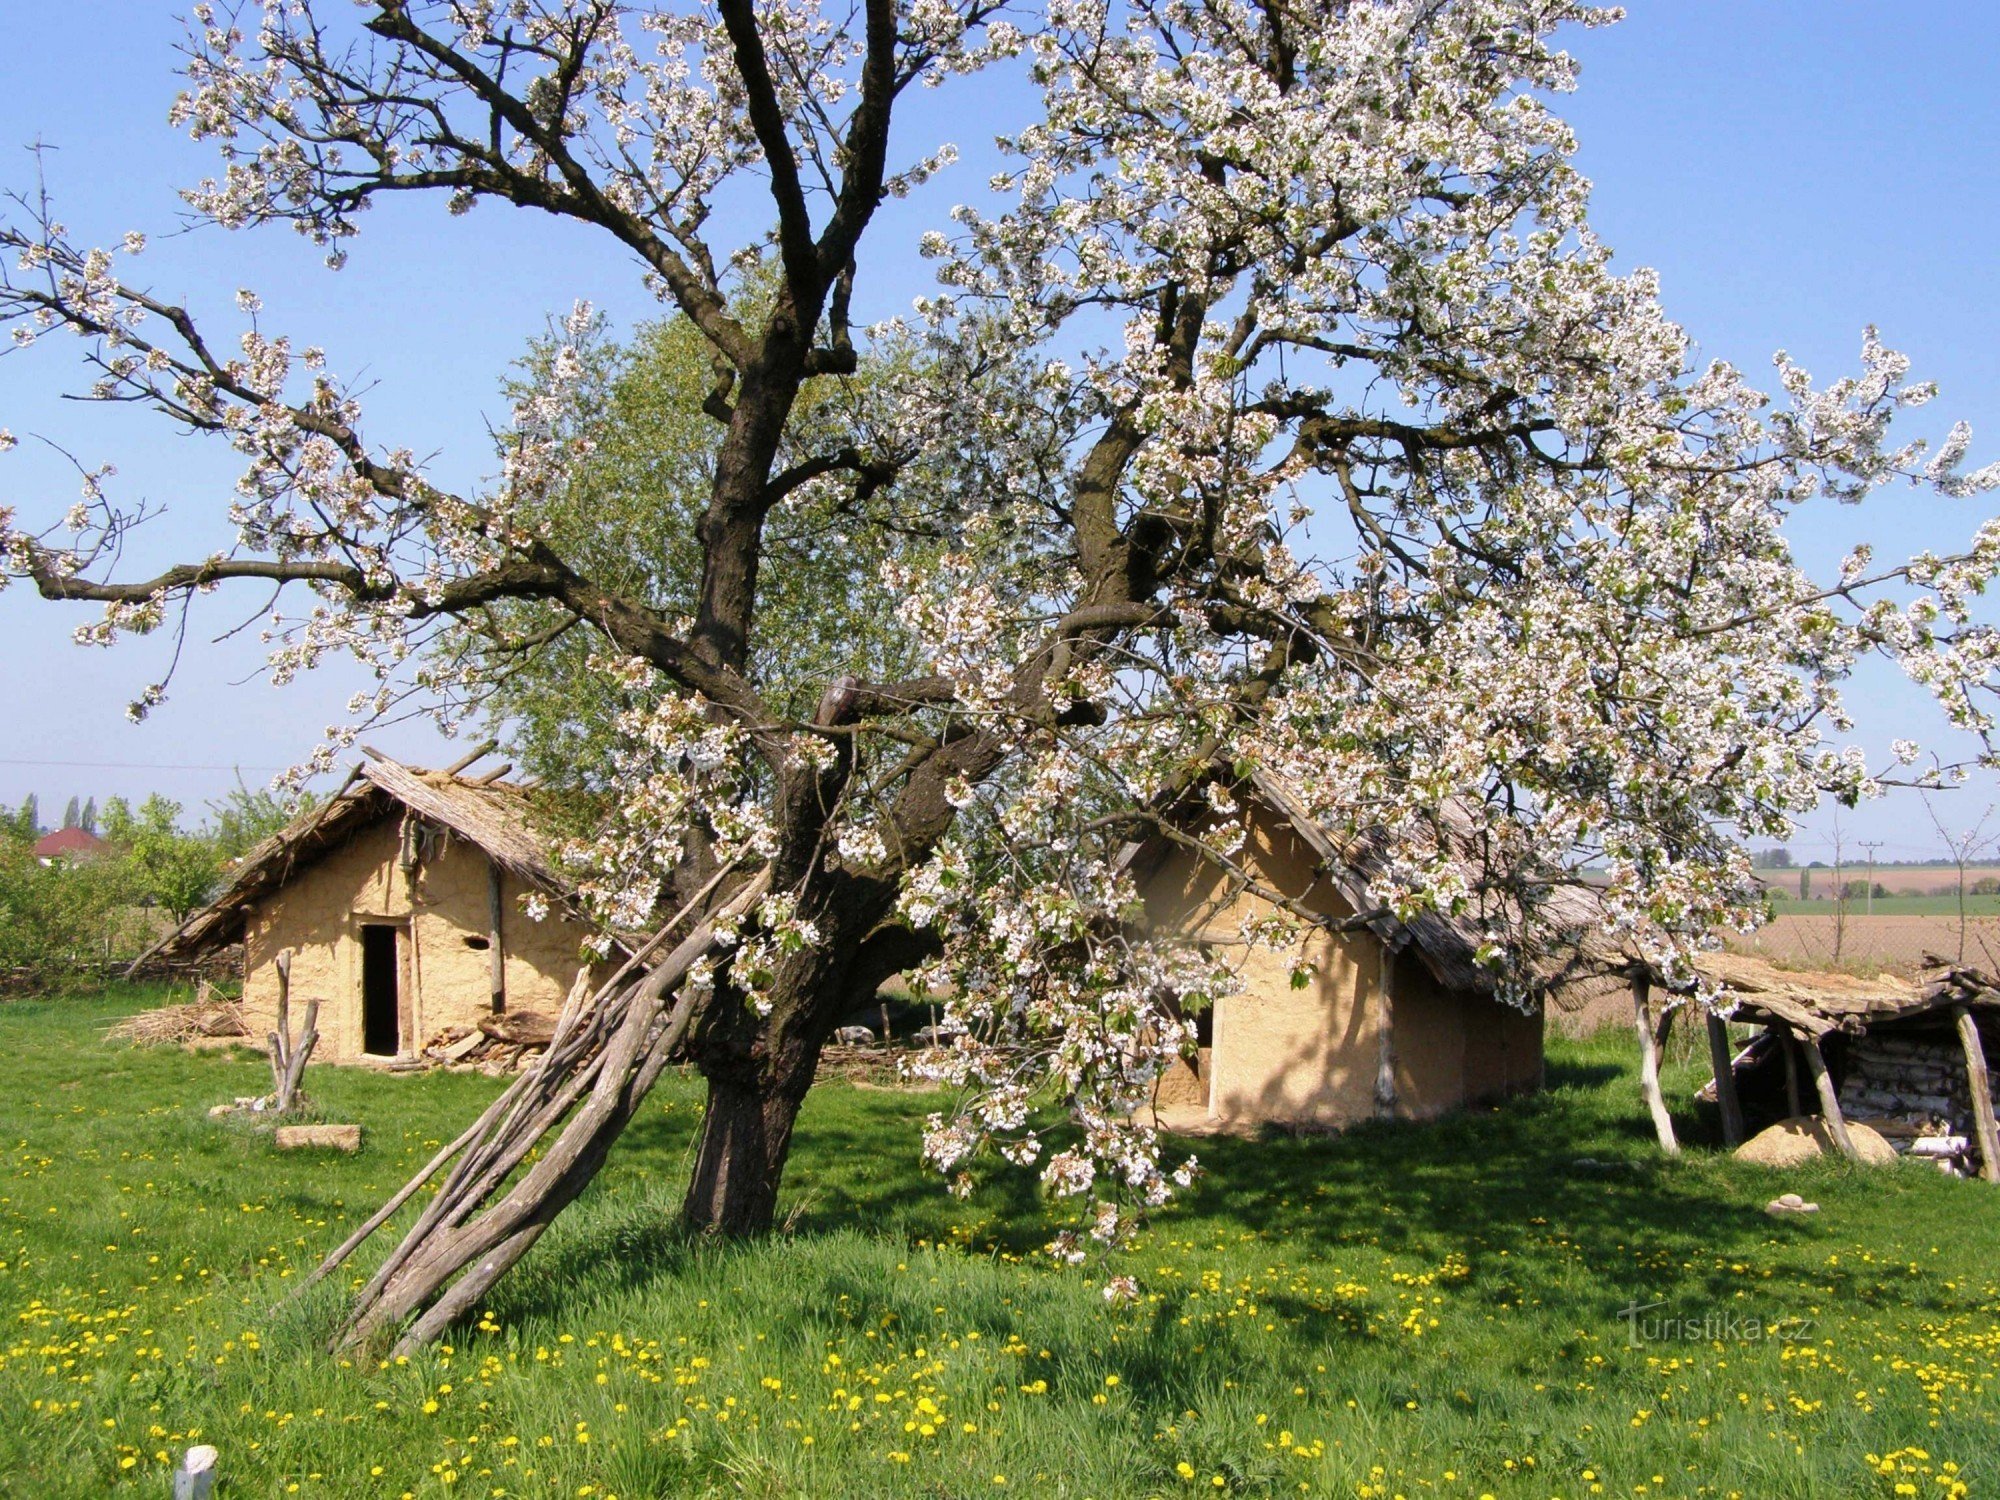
{"type": "Point", "coordinates": [1524, 1193]}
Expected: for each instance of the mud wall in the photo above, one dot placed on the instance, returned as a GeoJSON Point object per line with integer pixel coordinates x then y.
{"type": "Point", "coordinates": [441, 910]}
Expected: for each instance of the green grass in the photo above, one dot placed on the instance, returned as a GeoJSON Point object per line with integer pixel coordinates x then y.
{"type": "Point", "coordinates": [1413, 1311]}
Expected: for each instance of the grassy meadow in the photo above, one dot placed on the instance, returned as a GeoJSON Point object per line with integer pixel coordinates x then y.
{"type": "Point", "coordinates": [1408, 1311]}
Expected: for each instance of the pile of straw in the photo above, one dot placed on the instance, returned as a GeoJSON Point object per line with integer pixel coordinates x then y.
{"type": "Point", "coordinates": [174, 1024]}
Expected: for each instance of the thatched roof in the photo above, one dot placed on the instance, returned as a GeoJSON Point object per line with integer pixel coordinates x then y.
{"type": "Point", "coordinates": [1572, 948]}
{"type": "Point", "coordinates": [1814, 1003]}
{"type": "Point", "coordinates": [486, 812]}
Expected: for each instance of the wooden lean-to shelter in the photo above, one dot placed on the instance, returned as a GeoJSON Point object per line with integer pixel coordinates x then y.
{"type": "Point", "coordinates": [1906, 1057]}
{"type": "Point", "coordinates": [1396, 1019]}
{"type": "Point", "coordinates": [401, 899]}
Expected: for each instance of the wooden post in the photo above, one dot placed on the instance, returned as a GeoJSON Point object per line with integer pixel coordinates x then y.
{"type": "Point", "coordinates": [279, 1041]}
{"type": "Point", "coordinates": [1649, 1066]}
{"type": "Point", "coordinates": [1794, 1099]}
{"type": "Point", "coordinates": [1982, 1093]}
{"type": "Point", "coordinates": [288, 1058]}
{"type": "Point", "coordinates": [1385, 1056]}
{"type": "Point", "coordinates": [496, 955]}
{"type": "Point", "coordinates": [194, 1476]}
{"type": "Point", "coordinates": [1829, 1103]}
{"type": "Point", "coordinates": [1725, 1082]}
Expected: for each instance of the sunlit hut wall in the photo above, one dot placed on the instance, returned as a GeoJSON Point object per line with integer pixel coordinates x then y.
{"type": "Point", "coordinates": [395, 899]}
{"type": "Point", "coordinates": [1372, 1032]}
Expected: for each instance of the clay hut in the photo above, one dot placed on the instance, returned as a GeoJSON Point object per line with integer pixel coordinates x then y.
{"type": "Point", "coordinates": [1905, 1057]}
{"type": "Point", "coordinates": [401, 898]}
{"type": "Point", "coordinates": [1397, 1019]}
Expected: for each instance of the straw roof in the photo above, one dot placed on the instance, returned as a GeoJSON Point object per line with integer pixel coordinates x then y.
{"type": "Point", "coordinates": [1572, 947]}
{"type": "Point", "coordinates": [486, 812]}
{"type": "Point", "coordinates": [1814, 1003]}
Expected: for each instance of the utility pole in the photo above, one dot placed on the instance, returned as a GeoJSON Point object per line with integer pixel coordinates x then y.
{"type": "Point", "coordinates": [1871, 845]}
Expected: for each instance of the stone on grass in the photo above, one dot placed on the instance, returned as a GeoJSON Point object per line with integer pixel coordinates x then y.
{"type": "Point", "coordinates": [1790, 1203]}
{"type": "Point", "coordinates": [1804, 1137]}
{"type": "Point", "coordinates": [335, 1137]}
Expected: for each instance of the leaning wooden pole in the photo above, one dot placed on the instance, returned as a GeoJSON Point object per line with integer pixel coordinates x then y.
{"type": "Point", "coordinates": [1649, 1065]}
{"type": "Point", "coordinates": [1829, 1102]}
{"type": "Point", "coordinates": [1726, 1099]}
{"type": "Point", "coordinates": [1981, 1084]}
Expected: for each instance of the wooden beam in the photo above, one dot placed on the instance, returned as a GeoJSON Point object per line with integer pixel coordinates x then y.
{"type": "Point", "coordinates": [496, 955]}
{"type": "Point", "coordinates": [1829, 1102]}
{"type": "Point", "coordinates": [1726, 1099]}
{"type": "Point", "coordinates": [1385, 1055]}
{"type": "Point", "coordinates": [1982, 1093]}
{"type": "Point", "coordinates": [1649, 1066]}
{"type": "Point", "coordinates": [1795, 1103]}
{"type": "Point", "coordinates": [484, 748]}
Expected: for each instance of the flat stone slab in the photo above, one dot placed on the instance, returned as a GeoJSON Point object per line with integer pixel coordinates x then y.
{"type": "Point", "coordinates": [327, 1137]}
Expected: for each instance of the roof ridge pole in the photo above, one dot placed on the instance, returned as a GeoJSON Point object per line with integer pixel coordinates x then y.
{"type": "Point", "coordinates": [1649, 1064]}
{"type": "Point", "coordinates": [1385, 1061]}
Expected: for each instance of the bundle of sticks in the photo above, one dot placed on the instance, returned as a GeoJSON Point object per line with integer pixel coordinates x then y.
{"type": "Point", "coordinates": [608, 1047]}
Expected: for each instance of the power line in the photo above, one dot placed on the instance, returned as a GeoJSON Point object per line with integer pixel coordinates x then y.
{"type": "Point", "coordinates": [128, 765]}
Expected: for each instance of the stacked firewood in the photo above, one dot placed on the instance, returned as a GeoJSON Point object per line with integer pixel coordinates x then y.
{"type": "Point", "coordinates": [497, 1045]}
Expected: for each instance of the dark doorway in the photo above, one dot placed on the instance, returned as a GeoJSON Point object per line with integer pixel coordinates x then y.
{"type": "Point", "coordinates": [380, 1033]}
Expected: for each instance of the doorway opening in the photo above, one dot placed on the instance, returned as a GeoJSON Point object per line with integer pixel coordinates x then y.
{"type": "Point", "coordinates": [381, 1033]}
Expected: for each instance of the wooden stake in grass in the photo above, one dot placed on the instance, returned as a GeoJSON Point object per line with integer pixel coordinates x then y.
{"type": "Point", "coordinates": [1981, 1084]}
{"type": "Point", "coordinates": [289, 1057]}
{"type": "Point", "coordinates": [1649, 1066]}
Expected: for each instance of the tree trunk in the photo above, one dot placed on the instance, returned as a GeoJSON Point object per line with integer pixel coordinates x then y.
{"type": "Point", "coordinates": [745, 1138]}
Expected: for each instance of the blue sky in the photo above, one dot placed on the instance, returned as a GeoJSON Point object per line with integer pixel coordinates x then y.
{"type": "Point", "coordinates": [1793, 170]}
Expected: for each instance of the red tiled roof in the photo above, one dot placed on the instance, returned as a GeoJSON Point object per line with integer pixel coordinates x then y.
{"type": "Point", "coordinates": [67, 843]}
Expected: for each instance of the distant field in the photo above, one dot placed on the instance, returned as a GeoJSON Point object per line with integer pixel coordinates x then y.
{"type": "Point", "coordinates": [1913, 880]}
{"type": "Point", "coordinates": [1892, 906]}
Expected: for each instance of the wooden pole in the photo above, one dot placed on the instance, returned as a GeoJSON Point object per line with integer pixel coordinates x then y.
{"type": "Point", "coordinates": [1725, 1082]}
{"type": "Point", "coordinates": [1794, 1099]}
{"type": "Point", "coordinates": [1982, 1093]}
{"type": "Point", "coordinates": [1829, 1103]}
{"type": "Point", "coordinates": [496, 955]}
{"type": "Point", "coordinates": [1385, 1057]}
{"type": "Point", "coordinates": [1649, 1066]}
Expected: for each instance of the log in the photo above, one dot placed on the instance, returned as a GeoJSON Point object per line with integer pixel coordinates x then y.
{"type": "Point", "coordinates": [1649, 1067]}
{"type": "Point", "coordinates": [1982, 1093]}
{"type": "Point", "coordinates": [332, 1137]}
{"type": "Point", "coordinates": [1829, 1103]}
{"type": "Point", "coordinates": [1725, 1081]}
{"type": "Point", "coordinates": [1385, 1059]}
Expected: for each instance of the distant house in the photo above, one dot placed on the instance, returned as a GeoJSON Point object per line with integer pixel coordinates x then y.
{"type": "Point", "coordinates": [68, 846]}
{"type": "Point", "coordinates": [1398, 1019]}
{"type": "Point", "coordinates": [401, 899]}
